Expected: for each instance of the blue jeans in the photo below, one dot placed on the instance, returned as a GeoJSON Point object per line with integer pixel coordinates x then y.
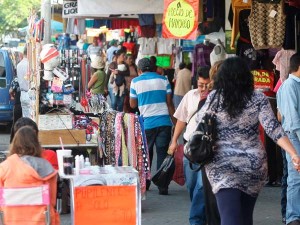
{"type": "Point", "coordinates": [176, 100]}
{"type": "Point", "coordinates": [235, 207]}
{"type": "Point", "coordinates": [284, 184]}
{"type": "Point", "coordinates": [117, 101]}
{"type": "Point", "coordinates": [160, 137]}
{"type": "Point", "coordinates": [293, 181]}
{"type": "Point", "coordinates": [194, 185]}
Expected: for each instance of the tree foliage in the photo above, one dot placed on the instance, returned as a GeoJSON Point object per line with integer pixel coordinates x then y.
{"type": "Point", "coordinates": [14, 13]}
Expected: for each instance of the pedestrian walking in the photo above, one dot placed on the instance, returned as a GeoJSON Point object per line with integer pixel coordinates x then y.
{"type": "Point", "coordinates": [185, 115]}
{"type": "Point", "coordinates": [152, 94]}
{"type": "Point", "coordinates": [288, 103]}
{"type": "Point", "coordinates": [238, 170]}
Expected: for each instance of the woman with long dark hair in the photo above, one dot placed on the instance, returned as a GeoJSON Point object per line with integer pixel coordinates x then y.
{"type": "Point", "coordinates": [238, 170]}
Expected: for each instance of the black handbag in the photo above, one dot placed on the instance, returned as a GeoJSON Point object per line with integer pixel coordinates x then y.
{"type": "Point", "coordinates": [164, 174]}
{"type": "Point", "coordinates": [200, 147]}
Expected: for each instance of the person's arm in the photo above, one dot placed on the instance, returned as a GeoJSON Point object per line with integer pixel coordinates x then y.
{"type": "Point", "coordinates": [286, 144]}
{"type": "Point", "coordinates": [177, 132]}
{"type": "Point", "coordinates": [133, 102]}
{"type": "Point", "coordinates": [171, 108]}
{"type": "Point", "coordinates": [92, 81]}
{"type": "Point", "coordinates": [275, 131]}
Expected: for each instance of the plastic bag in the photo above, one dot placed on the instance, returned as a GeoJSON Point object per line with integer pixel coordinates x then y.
{"type": "Point", "coordinates": [178, 176]}
{"type": "Point", "coordinates": [164, 174]}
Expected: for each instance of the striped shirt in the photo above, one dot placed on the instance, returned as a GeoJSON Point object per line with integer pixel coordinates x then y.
{"type": "Point", "coordinates": [150, 90]}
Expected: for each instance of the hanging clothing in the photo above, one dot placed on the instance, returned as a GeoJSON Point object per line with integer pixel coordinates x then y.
{"type": "Point", "coordinates": [165, 46]}
{"type": "Point", "coordinates": [122, 140]}
{"type": "Point", "coordinates": [289, 37]}
{"type": "Point", "coordinates": [75, 26]}
{"type": "Point", "coordinates": [237, 7]}
{"type": "Point", "coordinates": [282, 62]}
{"type": "Point", "coordinates": [201, 56]}
{"type": "Point", "coordinates": [147, 45]}
{"type": "Point", "coordinates": [267, 25]}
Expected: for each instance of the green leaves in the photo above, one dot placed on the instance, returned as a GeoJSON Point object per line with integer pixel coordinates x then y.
{"type": "Point", "coordinates": [14, 13]}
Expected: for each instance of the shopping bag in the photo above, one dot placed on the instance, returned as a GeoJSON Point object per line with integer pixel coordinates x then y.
{"type": "Point", "coordinates": [178, 176]}
{"type": "Point", "coordinates": [164, 174]}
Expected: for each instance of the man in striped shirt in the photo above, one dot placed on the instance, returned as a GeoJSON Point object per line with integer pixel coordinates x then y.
{"type": "Point", "coordinates": [152, 93]}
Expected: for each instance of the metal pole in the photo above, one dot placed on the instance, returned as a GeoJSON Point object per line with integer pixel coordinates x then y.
{"type": "Point", "coordinates": [46, 15]}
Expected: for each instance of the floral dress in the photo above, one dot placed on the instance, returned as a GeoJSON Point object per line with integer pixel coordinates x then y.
{"type": "Point", "coordinates": [241, 161]}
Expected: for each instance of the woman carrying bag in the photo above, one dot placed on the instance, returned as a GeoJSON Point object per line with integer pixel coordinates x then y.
{"type": "Point", "coordinates": [238, 170]}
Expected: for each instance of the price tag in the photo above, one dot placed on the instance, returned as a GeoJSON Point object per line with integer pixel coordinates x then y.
{"type": "Point", "coordinates": [272, 13]}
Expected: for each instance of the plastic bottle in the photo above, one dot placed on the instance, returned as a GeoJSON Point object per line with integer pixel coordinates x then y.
{"type": "Point", "coordinates": [81, 160]}
{"type": "Point", "coordinates": [77, 164]}
{"type": "Point", "coordinates": [87, 162]}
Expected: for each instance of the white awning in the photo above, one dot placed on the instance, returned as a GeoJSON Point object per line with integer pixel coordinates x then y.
{"type": "Point", "coordinates": [99, 8]}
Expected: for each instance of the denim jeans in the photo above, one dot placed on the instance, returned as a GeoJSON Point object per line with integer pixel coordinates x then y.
{"type": "Point", "coordinates": [176, 100]}
{"type": "Point", "coordinates": [293, 181]}
{"type": "Point", "coordinates": [160, 137]}
{"type": "Point", "coordinates": [284, 184]}
{"type": "Point", "coordinates": [117, 101]}
{"type": "Point", "coordinates": [194, 185]}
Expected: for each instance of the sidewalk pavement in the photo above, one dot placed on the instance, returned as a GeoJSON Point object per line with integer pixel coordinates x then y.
{"type": "Point", "coordinates": [174, 208]}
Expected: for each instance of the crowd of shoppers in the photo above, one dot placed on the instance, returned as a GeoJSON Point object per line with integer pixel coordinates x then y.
{"type": "Point", "coordinates": [225, 191]}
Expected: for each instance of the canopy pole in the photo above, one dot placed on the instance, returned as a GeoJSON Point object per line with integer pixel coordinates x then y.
{"type": "Point", "coordinates": [46, 15]}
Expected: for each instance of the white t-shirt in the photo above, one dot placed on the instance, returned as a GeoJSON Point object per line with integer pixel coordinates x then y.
{"type": "Point", "coordinates": [186, 109]}
{"type": "Point", "coordinates": [147, 45]}
{"type": "Point", "coordinates": [165, 46]}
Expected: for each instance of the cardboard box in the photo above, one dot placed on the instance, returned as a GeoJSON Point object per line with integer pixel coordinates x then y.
{"type": "Point", "coordinates": [51, 137]}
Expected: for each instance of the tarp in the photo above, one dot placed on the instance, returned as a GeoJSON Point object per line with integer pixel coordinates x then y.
{"type": "Point", "coordinates": [98, 8]}
{"type": "Point", "coordinates": [56, 27]}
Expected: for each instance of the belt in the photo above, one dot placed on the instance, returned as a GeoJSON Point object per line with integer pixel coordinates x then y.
{"type": "Point", "coordinates": [24, 90]}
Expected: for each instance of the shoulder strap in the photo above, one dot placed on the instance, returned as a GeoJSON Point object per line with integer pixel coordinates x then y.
{"type": "Point", "coordinates": [200, 104]}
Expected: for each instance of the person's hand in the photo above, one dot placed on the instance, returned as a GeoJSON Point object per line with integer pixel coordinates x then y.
{"type": "Point", "coordinates": [172, 148]}
{"type": "Point", "coordinates": [296, 162]}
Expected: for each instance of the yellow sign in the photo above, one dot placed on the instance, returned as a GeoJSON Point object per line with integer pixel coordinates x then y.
{"type": "Point", "coordinates": [180, 18]}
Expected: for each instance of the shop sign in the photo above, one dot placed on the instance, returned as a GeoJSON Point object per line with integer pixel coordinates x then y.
{"type": "Point", "coordinates": [109, 205]}
{"type": "Point", "coordinates": [70, 9]}
{"type": "Point", "coordinates": [180, 19]}
{"type": "Point", "coordinates": [263, 79]}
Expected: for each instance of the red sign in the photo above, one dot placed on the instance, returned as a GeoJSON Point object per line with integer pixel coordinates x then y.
{"type": "Point", "coordinates": [263, 79]}
{"type": "Point", "coordinates": [180, 19]}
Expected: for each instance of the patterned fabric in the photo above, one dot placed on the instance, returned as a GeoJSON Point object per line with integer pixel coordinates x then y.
{"type": "Point", "coordinates": [267, 31]}
{"type": "Point", "coordinates": [201, 56]}
{"type": "Point", "coordinates": [122, 142]}
{"type": "Point", "coordinates": [282, 62]}
{"type": "Point", "coordinates": [241, 160]}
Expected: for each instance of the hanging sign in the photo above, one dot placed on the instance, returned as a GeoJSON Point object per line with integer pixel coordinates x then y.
{"type": "Point", "coordinates": [180, 19]}
{"type": "Point", "coordinates": [109, 205]}
{"type": "Point", "coordinates": [263, 80]}
{"type": "Point", "coordinates": [70, 9]}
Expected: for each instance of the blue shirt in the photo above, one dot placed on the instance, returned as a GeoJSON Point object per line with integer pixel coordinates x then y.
{"type": "Point", "coordinates": [288, 103]}
{"type": "Point", "coordinates": [151, 90]}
